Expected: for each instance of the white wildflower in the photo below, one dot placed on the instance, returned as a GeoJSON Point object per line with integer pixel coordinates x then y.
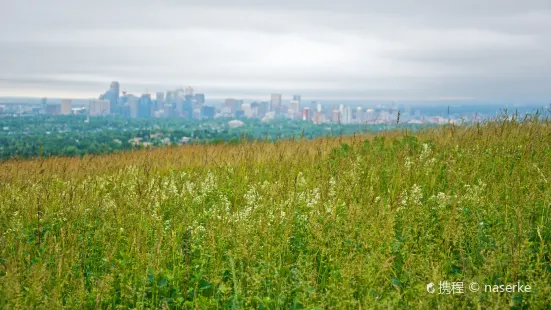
{"type": "Point", "coordinates": [301, 181]}
{"type": "Point", "coordinates": [407, 163]}
{"type": "Point", "coordinates": [426, 151]}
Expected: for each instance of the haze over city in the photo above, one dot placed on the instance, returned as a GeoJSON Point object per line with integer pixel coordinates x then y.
{"type": "Point", "coordinates": [422, 50]}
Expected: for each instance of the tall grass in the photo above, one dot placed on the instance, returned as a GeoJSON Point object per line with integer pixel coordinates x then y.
{"type": "Point", "coordinates": [346, 222]}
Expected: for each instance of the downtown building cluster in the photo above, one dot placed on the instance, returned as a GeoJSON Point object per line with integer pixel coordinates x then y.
{"type": "Point", "coordinates": [185, 103]}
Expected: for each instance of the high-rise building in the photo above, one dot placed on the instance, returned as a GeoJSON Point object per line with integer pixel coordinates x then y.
{"type": "Point", "coordinates": [231, 104]}
{"type": "Point", "coordinates": [208, 112]}
{"type": "Point", "coordinates": [255, 107]}
{"type": "Point", "coordinates": [99, 107]}
{"type": "Point", "coordinates": [313, 106]}
{"type": "Point", "coordinates": [145, 106]}
{"type": "Point", "coordinates": [43, 103]}
{"type": "Point", "coordinates": [347, 115]}
{"type": "Point", "coordinates": [113, 96]}
{"type": "Point", "coordinates": [294, 108]}
{"type": "Point", "coordinates": [160, 99]}
{"type": "Point", "coordinates": [66, 106]}
{"type": "Point", "coordinates": [247, 110]}
{"type": "Point", "coordinates": [306, 115]}
{"type": "Point", "coordinates": [297, 98]}
{"type": "Point", "coordinates": [369, 115]}
{"type": "Point", "coordinates": [52, 109]}
{"type": "Point", "coordinates": [336, 117]}
{"type": "Point", "coordinates": [275, 103]}
{"type": "Point", "coordinates": [133, 102]}
{"type": "Point", "coordinates": [114, 88]}
{"type": "Point", "coordinates": [359, 115]}
{"type": "Point", "coordinates": [170, 97]}
{"type": "Point", "coordinates": [200, 99]}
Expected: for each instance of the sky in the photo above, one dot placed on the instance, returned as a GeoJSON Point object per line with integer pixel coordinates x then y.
{"type": "Point", "coordinates": [350, 49]}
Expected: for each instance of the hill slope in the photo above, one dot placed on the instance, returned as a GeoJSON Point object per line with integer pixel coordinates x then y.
{"type": "Point", "coordinates": [337, 223]}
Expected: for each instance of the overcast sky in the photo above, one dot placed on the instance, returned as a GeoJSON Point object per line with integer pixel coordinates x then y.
{"type": "Point", "coordinates": [424, 49]}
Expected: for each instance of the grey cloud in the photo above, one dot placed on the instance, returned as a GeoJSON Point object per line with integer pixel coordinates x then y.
{"type": "Point", "coordinates": [483, 49]}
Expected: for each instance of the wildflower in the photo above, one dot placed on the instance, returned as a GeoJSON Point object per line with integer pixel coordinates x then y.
{"type": "Point", "coordinates": [301, 181]}
{"type": "Point", "coordinates": [332, 187]}
{"type": "Point", "coordinates": [314, 198]}
{"type": "Point", "coordinates": [426, 151]}
{"type": "Point", "coordinates": [251, 197]}
{"type": "Point", "coordinates": [416, 194]}
{"type": "Point", "coordinates": [407, 163]}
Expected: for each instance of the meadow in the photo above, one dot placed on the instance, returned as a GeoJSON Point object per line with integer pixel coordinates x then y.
{"type": "Point", "coordinates": [351, 222]}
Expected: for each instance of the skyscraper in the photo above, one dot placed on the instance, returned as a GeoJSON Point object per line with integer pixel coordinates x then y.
{"type": "Point", "coordinates": [98, 107]}
{"type": "Point", "coordinates": [66, 106]}
{"type": "Point", "coordinates": [113, 96]}
{"type": "Point", "coordinates": [133, 106]}
{"type": "Point", "coordinates": [297, 98]}
{"type": "Point", "coordinates": [275, 103]}
{"type": "Point", "coordinates": [231, 104]}
{"type": "Point", "coordinates": [263, 108]}
{"type": "Point", "coordinates": [200, 99]}
{"type": "Point", "coordinates": [114, 88]}
{"type": "Point", "coordinates": [294, 108]}
{"type": "Point", "coordinates": [347, 115]}
{"type": "Point", "coordinates": [208, 112]}
{"type": "Point", "coordinates": [336, 116]}
{"type": "Point", "coordinates": [145, 106]}
{"type": "Point", "coordinates": [307, 115]}
{"type": "Point", "coordinates": [160, 98]}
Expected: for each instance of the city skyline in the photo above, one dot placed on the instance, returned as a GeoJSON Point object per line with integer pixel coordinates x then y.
{"type": "Point", "coordinates": [425, 50]}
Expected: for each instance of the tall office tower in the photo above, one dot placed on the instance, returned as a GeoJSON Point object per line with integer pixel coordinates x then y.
{"type": "Point", "coordinates": [200, 99]}
{"type": "Point", "coordinates": [231, 104]}
{"type": "Point", "coordinates": [43, 103]}
{"type": "Point", "coordinates": [247, 110]}
{"type": "Point", "coordinates": [160, 98]}
{"type": "Point", "coordinates": [307, 114]}
{"type": "Point", "coordinates": [208, 112]}
{"type": "Point", "coordinates": [188, 102]}
{"type": "Point", "coordinates": [114, 89]}
{"type": "Point", "coordinates": [318, 107]}
{"type": "Point", "coordinates": [294, 107]}
{"type": "Point", "coordinates": [255, 107]}
{"type": "Point", "coordinates": [133, 102]}
{"type": "Point", "coordinates": [98, 107]}
{"type": "Point", "coordinates": [145, 106]}
{"type": "Point", "coordinates": [347, 115]}
{"type": "Point", "coordinates": [52, 109]}
{"type": "Point", "coordinates": [275, 103]}
{"type": "Point", "coordinates": [297, 98]}
{"type": "Point", "coordinates": [264, 108]}
{"type": "Point", "coordinates": [359, 116]}
{"type": "Point", "coordinates": [313, 106]}
{"type": "Point", "coordinates": [316, 119]}
{"type": "Point", "coordinates": [369, 115]}
{"type": "Point", "coordinates": [66, 106]}
{"type": "Point", "coordinates": [336, 117]}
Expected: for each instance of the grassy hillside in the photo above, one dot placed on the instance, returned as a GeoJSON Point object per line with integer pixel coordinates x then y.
{"type": "Point", "coordinates": [350, 222]}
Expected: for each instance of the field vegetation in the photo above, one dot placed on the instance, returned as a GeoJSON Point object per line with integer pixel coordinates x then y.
{"type": "Point", "coordinates": [355, 222]}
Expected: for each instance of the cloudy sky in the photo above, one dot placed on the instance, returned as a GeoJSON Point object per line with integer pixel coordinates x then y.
{"type": "Point", "coordinates": [424, 49]}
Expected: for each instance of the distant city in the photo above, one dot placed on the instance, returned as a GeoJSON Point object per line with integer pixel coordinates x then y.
{"type": "Point", "coordinates": [185, 103]}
